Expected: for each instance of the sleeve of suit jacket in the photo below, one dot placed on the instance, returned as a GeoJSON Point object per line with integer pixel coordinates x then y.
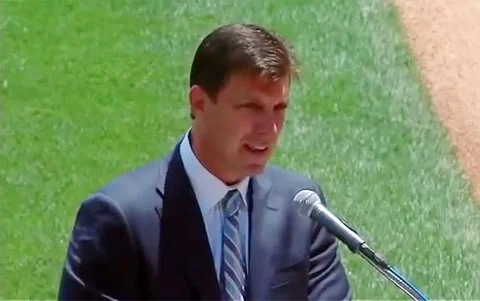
{"type": "Point", "coordinates": [99, 257]}
{"type": "Point", "coordinates": [327, 277]}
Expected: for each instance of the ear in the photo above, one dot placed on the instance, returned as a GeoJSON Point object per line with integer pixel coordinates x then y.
{"type": "Point", "coordinates": [198, 98]}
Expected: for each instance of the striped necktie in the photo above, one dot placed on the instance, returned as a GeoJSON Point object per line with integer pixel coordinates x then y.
{"type": "Point", "coordinates": [233, 262]}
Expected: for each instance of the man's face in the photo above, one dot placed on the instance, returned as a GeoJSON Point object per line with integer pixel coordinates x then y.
{"type": "Point", "coordinates": [241, 128]}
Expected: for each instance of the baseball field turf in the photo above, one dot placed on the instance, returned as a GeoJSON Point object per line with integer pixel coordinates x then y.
{"type": "Point", "coordinates": [92, 89]}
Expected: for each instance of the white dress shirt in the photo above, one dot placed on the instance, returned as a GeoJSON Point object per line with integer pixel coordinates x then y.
{"type": "Point", "coordinates": [209, 191]}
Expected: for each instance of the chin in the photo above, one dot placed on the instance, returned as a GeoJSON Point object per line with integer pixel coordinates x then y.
{"type": "Point", "coordinates": [255, 169]}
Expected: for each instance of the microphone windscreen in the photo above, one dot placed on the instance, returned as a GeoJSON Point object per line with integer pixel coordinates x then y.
{"type": "Point", "coordinates": [305, 201]}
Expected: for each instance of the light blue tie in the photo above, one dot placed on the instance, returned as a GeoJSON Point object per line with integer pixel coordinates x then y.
{"type": "Point", "coordinates": [233, 263]}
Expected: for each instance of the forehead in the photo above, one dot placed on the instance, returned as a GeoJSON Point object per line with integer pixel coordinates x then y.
{"type": "Point", "coordinates": [255, 86]}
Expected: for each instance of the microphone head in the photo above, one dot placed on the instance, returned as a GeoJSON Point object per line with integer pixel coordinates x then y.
{"type": "Point", "coordinates": [305, 200]}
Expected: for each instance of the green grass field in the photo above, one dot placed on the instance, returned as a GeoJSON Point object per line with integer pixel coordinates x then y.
{"type": "Point", "coordinates": [93, 89]}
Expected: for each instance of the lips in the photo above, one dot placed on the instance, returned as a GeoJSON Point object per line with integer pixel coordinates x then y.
{"type": "Point", "coordinates": [257, 148]}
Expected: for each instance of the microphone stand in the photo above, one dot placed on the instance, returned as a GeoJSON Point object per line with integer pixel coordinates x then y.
{"type": "Point", "coordinates": [358, 245]}
{"type": "Point", "coordinates": [389, 272]}
{"type": "Point", "coordinates": [309, 203]}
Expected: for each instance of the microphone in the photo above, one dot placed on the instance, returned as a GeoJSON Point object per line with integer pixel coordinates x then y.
{"type": "Point", "coordinates": [308, 203]}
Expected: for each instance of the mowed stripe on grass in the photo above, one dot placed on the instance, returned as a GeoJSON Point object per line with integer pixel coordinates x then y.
{"type": "Point", "coordinates": [95, 89]}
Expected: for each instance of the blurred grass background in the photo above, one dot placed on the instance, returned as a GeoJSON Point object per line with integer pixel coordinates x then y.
{"type": "Point", "coordinates": [92, 89]}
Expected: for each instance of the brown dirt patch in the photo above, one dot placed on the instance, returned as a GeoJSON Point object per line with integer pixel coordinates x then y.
{"type": "Point", "coordinates": [445, 38]}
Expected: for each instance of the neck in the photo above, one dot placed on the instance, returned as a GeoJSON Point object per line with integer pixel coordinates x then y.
{"type": "Point", "coordinates": [207, 156]}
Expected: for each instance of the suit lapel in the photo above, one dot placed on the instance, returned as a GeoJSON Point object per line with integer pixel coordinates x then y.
{"type": "Point", "coordinates": [264, 227]}
{"type": "Point", "coordinates": [184, 239]}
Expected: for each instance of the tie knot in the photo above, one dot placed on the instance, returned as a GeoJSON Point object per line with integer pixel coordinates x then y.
{"type": "Point", "coordinates": [231, 202]}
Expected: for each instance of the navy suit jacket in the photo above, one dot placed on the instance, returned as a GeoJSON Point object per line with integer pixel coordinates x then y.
{"type": "Point", "coordinates": [143, 237]}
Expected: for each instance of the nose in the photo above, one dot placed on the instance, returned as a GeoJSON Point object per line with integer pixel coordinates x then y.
{"type": "Point", "coordinates": [267, 124]}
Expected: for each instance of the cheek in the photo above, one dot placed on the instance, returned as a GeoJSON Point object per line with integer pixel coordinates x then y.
{"type": "Point", "coordinates": [244, 122]}
{"type": "Point", "coordinates": [230, 128]}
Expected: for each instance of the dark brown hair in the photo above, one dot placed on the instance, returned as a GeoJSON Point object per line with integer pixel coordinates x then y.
{"type": "Point", "coordinates": [240, 47]}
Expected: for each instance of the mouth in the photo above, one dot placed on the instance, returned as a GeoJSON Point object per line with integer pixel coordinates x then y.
{"type": "Point", "coordinates": [256, 148]}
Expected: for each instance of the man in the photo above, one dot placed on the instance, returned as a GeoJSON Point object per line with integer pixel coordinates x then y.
{"type": "Point", "coordinates": [211, 221]}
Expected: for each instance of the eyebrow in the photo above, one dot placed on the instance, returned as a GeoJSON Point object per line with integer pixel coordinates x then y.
{"type": "Point", "coordinates": [253, 98]}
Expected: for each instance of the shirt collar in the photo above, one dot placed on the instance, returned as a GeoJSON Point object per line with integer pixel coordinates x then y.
{"type": "Point", "coordinates": [208, 189]}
